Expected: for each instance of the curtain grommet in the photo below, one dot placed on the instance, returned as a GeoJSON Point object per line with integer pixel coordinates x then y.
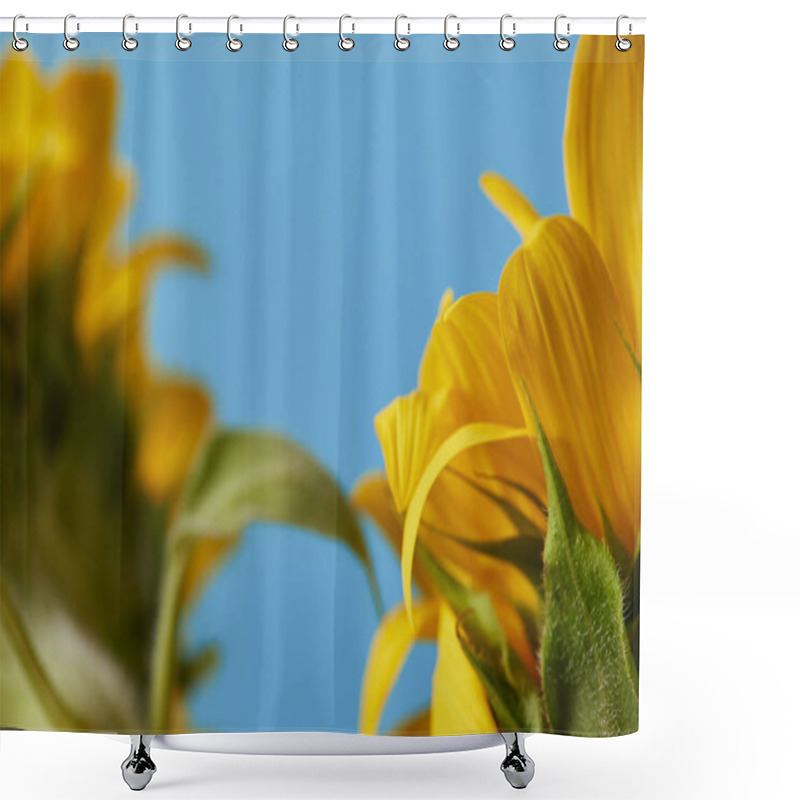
{"type": "Point", "coordinates": [183, 43]}
{"type": "Point", "coordinates": [451, 43]}
{"type": "Point", "coordinates": [71, 43]}
{"type": "Point", "coordinates": [401, 43]}
{"type": "Point", "coordinates": [233, 44]}
{"type": "Point", "coordinates": [345, 42]}
{"type": "Point", "coordinates": [622, 44]}
{"type": "Point", "coordinates": [507, 42]}
{"type": "Point", "coordinates": [290, 44]}
{"type": "Point", "coordinates": [561, 43]}
{"type": "Point", "coordinates": [129, 43]}
{"type": "Point", "coordinates": [18, 42]}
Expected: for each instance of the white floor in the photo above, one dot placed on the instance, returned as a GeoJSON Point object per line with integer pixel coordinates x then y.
{"type": "Point", "coordinates": [718, 710]}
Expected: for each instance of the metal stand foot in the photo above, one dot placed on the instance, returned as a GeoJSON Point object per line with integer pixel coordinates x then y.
{"type": "Point", "coordinates": [517, 766]}
{"type": "Point", "coordinates": [138, 768]}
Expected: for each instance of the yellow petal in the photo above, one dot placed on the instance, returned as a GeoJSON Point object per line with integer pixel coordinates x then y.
{"type": "Point", "coordinates": [556, 311]}
{"type": "Point", "coordinates": [409, 430]}
{"type": "Point", "coordinates": [388, 653]}
{"type": "Point", "coordinates": [115, 295]}
{"type": "Point", "coordinates": [174, 421]}
{"type": "Point", "coordinates": [458, 702]}
{"type": "Point", "coordinates": [470, 435]}
{"type": "Point", "coordinates": [22, 125]}
{"type": "Point", "coordinates": [510, 201]}
{"type": "Point", "coordinates": [603, 164]}
{"type": "Point", "coordinates": [445, 303]}
{"type": "Point", "coordinates": [59, 177]}
{"type": "Point", "coordinates": [465, 352]}
{"type": "Point", "coordinates": [372, 496]}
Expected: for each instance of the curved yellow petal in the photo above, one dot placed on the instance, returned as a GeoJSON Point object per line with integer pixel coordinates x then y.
{"type": "Point", "coordinates": [458, 700]}
{"type": "Point", "coordinates": [465, 352]}
{"type": "Point", "coordinates": [388, 652]}
{"type": "Point", "coordinates": [603, 164]}
{"type": "Point", "coordinates": [174, 421]}
{"type": "Point", "coordinates": [409, 430]}
{"type": "Point", "coordinates": [510, 201]}
{"type": "Point", "coordinates": [564, 347]}
{"type": "Point", "coordinates": [372, 496]}
{"type": "Point", "coordinates": [470, 435]}
{"type": "Point", "coordinates": [112, 295]}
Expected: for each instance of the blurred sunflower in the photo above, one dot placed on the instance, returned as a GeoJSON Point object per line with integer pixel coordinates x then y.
{"type": "Point", "coordinates": [96, 442]}
{"type": "Point", "coordinates": [464, 499]}
{"type": "Point", "coordinates": [118, 493]}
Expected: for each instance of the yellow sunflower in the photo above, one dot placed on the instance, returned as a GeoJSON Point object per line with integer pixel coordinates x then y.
{"type": "Point", "coordinates": [465, 486]}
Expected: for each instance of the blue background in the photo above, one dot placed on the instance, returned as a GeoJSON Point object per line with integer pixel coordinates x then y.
{"type": "Point", "coordinates": [337, 195]}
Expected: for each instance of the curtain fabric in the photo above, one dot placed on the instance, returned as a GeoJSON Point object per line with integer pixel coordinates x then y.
{"type": "Point", "coordinates": [320, 389]}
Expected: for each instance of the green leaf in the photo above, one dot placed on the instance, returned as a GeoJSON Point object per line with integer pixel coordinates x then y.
{"type": "Point", "coordinates": [243, 477]}
{"type": "Point", "coordinates": [588, 674]}
{"type": "Point", "coordinates": [513, 695]}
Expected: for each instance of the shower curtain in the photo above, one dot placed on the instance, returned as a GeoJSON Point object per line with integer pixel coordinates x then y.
{"type": "Point", "coordinates": [320, 388]}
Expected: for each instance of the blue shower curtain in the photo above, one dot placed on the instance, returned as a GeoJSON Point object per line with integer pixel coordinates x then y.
{"type": "Point", "coordinates": [321, 379]}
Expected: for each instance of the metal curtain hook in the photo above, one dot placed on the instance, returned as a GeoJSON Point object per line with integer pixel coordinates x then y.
{"type": "Point", "coordinates": [290, 44]}
{"type": "Point", "coordinates": [560, 43]}
{"type": "Point", "coordinates": [181, 42]}
{"type": "Point", "coordinates": [345, 42]}
{"type": "Point", "coordinates": [623, 45]}
{"type": "Point", "coordinates": [70, 42]}
{"type": "Point", "coordinates": [128, 42]}
{"type": "Point", "coordinates": [233, 44]}
{"type": "Point", "coordinates": [507, 42]}
{"type": "Point", "coordinates": [451, 42]}
{"type": "Point", "coordinates": [401, 42]}
{"type": "Point", "coordinates": [18, 43]}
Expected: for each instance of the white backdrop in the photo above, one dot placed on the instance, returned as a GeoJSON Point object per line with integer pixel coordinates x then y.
{"type": "Point", "coordinates": [721, 539]}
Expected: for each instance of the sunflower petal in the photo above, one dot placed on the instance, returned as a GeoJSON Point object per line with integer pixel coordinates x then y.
{"type": "Point", "coordinates": [471, 435]}
{"type": "Point", "coordinates": [22, 125]}
{"type": "Point", "coordinates": [112, 295]}
{"type": "Point", "coordinates": [410, 429]}
{"type": "Point", "coordinates": [458, 702]}
{"type": "Point", "coordinates": [372, 496]}
{"type": "Point", "coordinates": [175, 420]}
{"type": "Point", "coordinates": [465, 352]}
{"type": "Point", "coordinates": [510, 201]}
{"type": "Point", "coordinates": [603, 164]}
{"type": "Point", "coordinates": [556, 303]}
{"type": "Point", "coordinates": [388, 653]}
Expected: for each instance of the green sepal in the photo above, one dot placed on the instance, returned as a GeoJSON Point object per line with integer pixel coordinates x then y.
{"type": "Point", "coordinates": [588, 675]}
